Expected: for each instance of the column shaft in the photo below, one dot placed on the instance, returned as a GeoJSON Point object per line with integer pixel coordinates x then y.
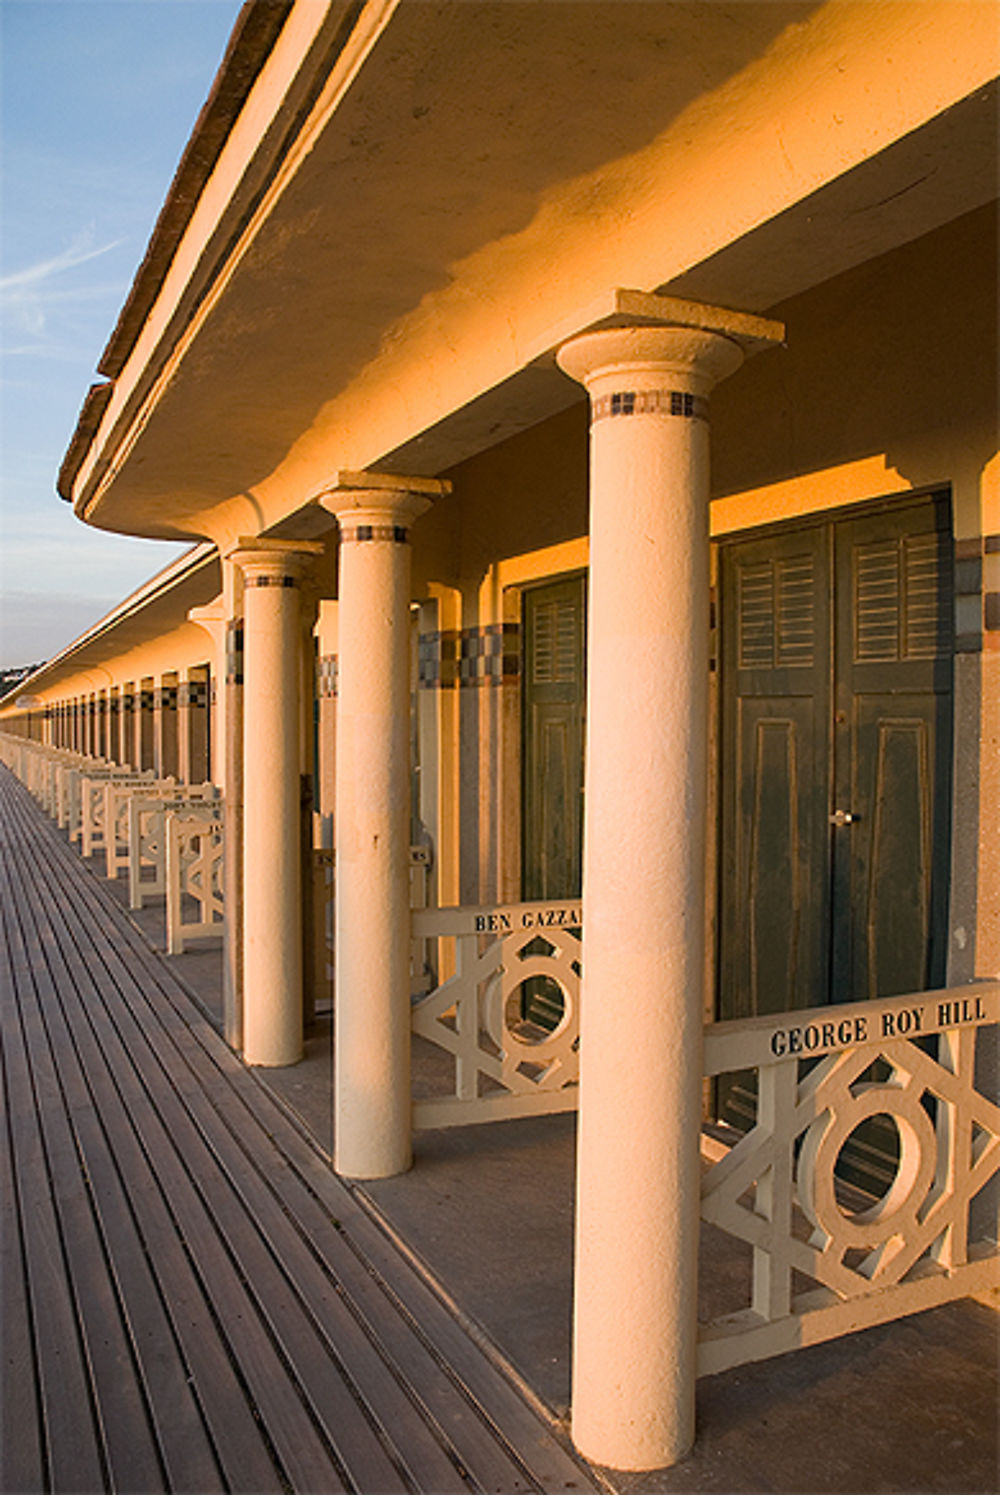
{"type": "Point", "coordinates": [232, 773]}
{"type": "Point", "coordinates": [643, 894]}
{"type": "Point", "coordinates": [372, 1089]}
{"type": "Point", "coordinates": [272, 891]}
{"type": "Point", "coordinates": [372, 1079]}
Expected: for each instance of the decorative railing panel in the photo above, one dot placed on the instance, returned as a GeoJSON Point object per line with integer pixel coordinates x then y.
{"type": "Point", "coordinates": [324, 895]}
{"type": "Point", "coordinates": [194, 851]}
{"type": "Point", "coordinates": [506, 1060]}
{"type": "Point", "coordinates": [94, 798]}
{"type": "Point", "coordinates": [82, 788]}
{"type": "Point", "coordinates": [147, 840]}
{"type": "Point", "coordinates": [826, 1262]}
{"type": "Point", "coordinates": [118, 793]}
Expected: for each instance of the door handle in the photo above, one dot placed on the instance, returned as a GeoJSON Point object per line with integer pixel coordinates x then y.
{"type": "Point", "coordinates": [843, 817]}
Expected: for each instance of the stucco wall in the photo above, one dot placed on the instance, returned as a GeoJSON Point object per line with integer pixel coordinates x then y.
{"type": "Point", "coordinates": [888, 384]}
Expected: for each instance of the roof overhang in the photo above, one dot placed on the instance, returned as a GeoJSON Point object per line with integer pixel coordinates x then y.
{"type": "Point", "coordinates": [416, 204]}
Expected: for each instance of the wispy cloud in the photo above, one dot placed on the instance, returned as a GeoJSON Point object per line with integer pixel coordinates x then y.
{"type": "Point", "coordinates": [35, 275]}
{"type": "Point", "coordinates": [26, 294]}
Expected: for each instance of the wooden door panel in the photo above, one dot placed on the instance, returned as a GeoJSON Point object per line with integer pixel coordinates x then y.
{"type": "Point", "coordinates": [553, 709]}
{"type": "Point", "coordinates": [775, 937]}
{"type": "Point", "coordinates": [556, 813]}
{"type": "Point", "coordinates": [835, 694]}
{"type": "Point", "coordinates": [892, 751]}
{"type": "Point", "coordinates": [896, 893]}
{"type": "Point", "coordinates": [773, 791]}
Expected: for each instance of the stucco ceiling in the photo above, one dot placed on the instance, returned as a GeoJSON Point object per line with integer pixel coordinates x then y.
{"type": "Point", "coordinates": [477, 146]}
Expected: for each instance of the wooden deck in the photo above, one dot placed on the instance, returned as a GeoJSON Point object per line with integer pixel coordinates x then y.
{"type": "Point", "coordinates": [191, 1301]}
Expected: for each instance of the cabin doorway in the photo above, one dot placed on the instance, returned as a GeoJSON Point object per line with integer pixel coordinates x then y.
{"type": "Point", "coordinates": [835, 723]}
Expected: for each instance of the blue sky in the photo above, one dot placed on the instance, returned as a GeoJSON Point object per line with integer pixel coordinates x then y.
{"type": "Point", "coordinates": [97, 101]}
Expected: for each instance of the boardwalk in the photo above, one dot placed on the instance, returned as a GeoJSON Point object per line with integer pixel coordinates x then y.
{"type": "Point", "coordinates": [191, 1300]}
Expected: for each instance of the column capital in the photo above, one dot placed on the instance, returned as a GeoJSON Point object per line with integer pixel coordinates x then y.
{"type": "Point", "coordinates": [649, 370]}
{"type": "Point", "coordinates": [278, 563]}
{"type": "Point", "coordinates": [379, 505]}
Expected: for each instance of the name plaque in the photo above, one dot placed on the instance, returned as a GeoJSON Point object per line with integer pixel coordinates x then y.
{"type": "Point", "coordinates": [511, 918]}
{"type": "Point", "coordinates": [825, 1030]}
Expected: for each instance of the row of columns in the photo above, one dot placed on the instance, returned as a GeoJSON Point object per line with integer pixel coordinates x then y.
{"type": "Point", "coordinates": [372, 1039]}
{"type": "Point", "coordinates": [638, 1165]}
{"type": "Point", "coordinates": [643, 894]}
{"type": "Point", "coordinates": [161, 725]}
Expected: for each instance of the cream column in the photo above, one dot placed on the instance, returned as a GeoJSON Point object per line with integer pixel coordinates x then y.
{"type": "Point", "coordinates": [272, 891]}
{"type": "Point", "coordinates": [184, 715]}
{"type": "Point", "coordinates": [643, 886]}
{"type": "Point", "coordinates": [214, 620]}
{"type": "Point", "coordinates": [222, 620]}
{"type": "Point", "coordinates": [125, 723]}
{"type": "Point", "coordinates": [372, 1101]}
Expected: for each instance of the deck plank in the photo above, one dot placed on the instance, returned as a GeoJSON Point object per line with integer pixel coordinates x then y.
{"type": "Point", "coordinates": [315, 1373]}
{"type": "Point", "coordinates": [305, 1460]}
{"type": "Point", "coordinates": [459, 1387]}
{"type": "Point", "coordinates": [122, 1423]}
{"type": "Point", "coordinates": [466, 1418]}
{"type": "Point", "coordinates": [313, 1355]}
{"type": "Point", "coordinates": [73, 1454]}
{"type": "Point", "coordinates": [21, 1466]}
{"type": "Point", "coordinates": [164, 1369]}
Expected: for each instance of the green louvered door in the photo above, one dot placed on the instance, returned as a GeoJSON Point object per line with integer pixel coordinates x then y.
{"type": "Point", "coordinates": [836, 696]}
{"type": "Point", "coordinates": [552, 795]}
{"type": "Point", "coordinates": [775, 875]}
{"type": "Point", "coordinates": [892, 752]}
{"type": "Point", "coordinates": [553, 704]}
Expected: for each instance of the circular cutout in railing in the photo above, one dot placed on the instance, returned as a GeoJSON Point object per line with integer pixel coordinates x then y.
{"type": "Point", "coordinates": [871, 1152]}
{"type": "Point", "coordinates": [895, 1213]}
{"type": "Point", "coordinates": [534, 1009]}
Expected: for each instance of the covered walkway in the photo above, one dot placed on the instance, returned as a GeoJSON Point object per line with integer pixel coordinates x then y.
{"type": "Point", "coordinates": [191, 1300]}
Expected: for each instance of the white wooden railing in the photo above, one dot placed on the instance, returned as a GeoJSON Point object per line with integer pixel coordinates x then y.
{"type": "Point", "coordinates": [97, 795]}
{"type": "Point", "coordinates": [146, 837]}
{"type": "Point", "coordinates": [324, 893]}
{"type": "Point", "coordinates": [822, 1265]}
{"type": "Point", "coordinates": [153, 826]}
{"type": "Point", "coordinates": [822, 1262]}
{"type": "Point", "coordinates": [194, 852]}
{"type": "Point", "coordinates": [503, 1064]}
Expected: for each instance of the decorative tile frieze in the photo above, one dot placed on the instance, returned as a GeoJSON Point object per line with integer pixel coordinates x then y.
{"type": "Point", "coordinates": [977, 602]}
{"type": "Point", "coordinates": [437, 659]}
{"type": "Point", "coordinates": [234, 651]}
{"type": "Point", "coordinates": [991, 611]}
{"type": "Point", "coordinates": [192, 693]}
{"type": "Point", "coordinates": [261, 579]}
{"type": "Point", "coordinates": [679, 402]}
{"type": "Point", "coordinates": [354, 533]}
{"type": "Point", "coordinates": [327, 668]}
{"type": "Point", "coordinates": [164, 697]}
{"type": "Point", "coordinates": [489, 655]}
